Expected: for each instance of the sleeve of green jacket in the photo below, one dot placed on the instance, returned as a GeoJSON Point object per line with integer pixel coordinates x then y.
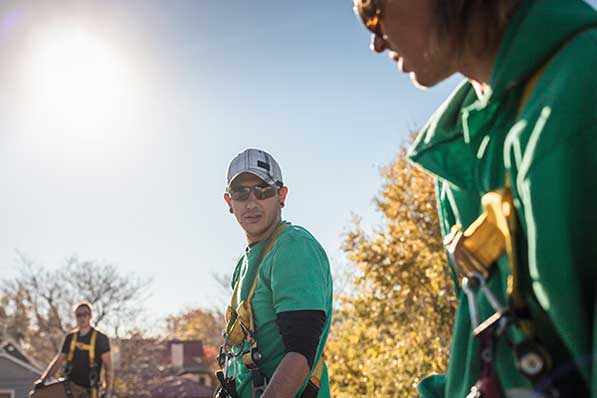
{"type": "Point", "coordinates": [559, 213]}
{"type": "Point", "coordinates": [556, 162]}
{"type": "Point", "coordinates": [432, 386]}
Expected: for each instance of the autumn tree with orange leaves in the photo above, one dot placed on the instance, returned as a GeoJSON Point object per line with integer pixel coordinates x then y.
{"type": "Point", "coordinates": [395, 325]}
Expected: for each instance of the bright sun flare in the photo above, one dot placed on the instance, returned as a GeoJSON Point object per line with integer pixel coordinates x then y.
{"type": "Point", "coordinates": [77, 78]}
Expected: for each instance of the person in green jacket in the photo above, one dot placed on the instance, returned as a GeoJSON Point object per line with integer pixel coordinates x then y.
{"type": "Point", "coordinates": [523, 122]}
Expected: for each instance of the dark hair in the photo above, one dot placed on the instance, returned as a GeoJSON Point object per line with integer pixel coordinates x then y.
{"type": "Point", "coordinates": [472, 26]}
{"type": "Point", "coordinates": [83, 304]}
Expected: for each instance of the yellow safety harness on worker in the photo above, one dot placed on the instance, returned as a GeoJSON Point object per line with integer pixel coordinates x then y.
{"type": "Point", "coordinates": [240, 332]}
{"type": "Point", "coordinates": [90, 348]}
{"type": "Point", "coordinates": [474, 252]}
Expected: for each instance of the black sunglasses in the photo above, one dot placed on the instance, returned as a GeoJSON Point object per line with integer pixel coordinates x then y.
{"type": "Point", "coordinates": [83, 314]}
{"type": "Point", "coordinates": [370, 12]}
{"type": "Point", "coordinates": [242, 193]}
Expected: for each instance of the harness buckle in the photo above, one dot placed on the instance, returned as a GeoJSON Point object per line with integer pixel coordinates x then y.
{"type": "Point", "coordinates": [251, 358]}
{"type": "Point", "coordinates": [93, 377]}
{"type": "Point", "coordinates": [531, 359]}
{"type": "Point", "coordinates": [259, 383]}
{"type": "Point", "coordinates": [227, 384]}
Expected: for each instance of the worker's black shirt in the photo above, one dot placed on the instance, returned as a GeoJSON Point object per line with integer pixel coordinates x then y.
{"type": "Point", "coordinates": [80, 369]}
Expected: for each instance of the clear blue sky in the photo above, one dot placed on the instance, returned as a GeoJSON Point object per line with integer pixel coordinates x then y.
{"type": "Point", "coordinates": [114, 146]}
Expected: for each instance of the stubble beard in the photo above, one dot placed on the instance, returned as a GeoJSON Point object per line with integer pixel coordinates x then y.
{"type": "Point", "coordinates": [263, 233]}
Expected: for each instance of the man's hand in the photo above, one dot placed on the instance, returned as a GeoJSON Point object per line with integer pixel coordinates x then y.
{"type": "Point", "coordinates": [39, 383]}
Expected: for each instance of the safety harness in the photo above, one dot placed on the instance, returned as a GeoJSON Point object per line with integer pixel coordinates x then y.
{"type": "Point", "coordinates": [474, 253]}
{"type": "Point", "coordinates": [93, 370]}
{"type": "Point", "coordinates": [240, 332]}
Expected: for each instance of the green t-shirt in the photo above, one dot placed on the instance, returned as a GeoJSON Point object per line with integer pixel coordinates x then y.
{"type": "Point", "coordinates": [294, 276]}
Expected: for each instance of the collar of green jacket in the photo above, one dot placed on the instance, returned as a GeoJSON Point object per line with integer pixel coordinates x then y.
{"type": "Point", "coordinates": [536, 31]}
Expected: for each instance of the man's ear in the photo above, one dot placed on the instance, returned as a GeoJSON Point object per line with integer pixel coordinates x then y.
{"type": "Point", "coordinates": [228, 200]}
{"type": "Point", "coordinates": [282, 194]}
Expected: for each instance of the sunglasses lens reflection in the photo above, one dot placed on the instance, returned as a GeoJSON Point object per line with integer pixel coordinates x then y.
{"type": "Point", "coordinates": [242, 193]}
{"type": "Point", "coordinates": [370, 12]}
{"type": "Point", "coordinates": [265, 193]}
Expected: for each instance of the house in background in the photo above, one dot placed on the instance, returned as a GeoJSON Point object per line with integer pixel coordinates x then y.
{"type": "Point", "coordinates": [153, 368]}
{"type": "Point", "coordinates": [17, 371]}
{"type": "Point", "coordinates": [189, 358]}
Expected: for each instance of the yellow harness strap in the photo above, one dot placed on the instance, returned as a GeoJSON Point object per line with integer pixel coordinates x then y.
{"type": "Point", "coordinates": [239, 317]}
{"type": "Point", "coordinates": [270, 243]}
{"type": "Point", "coordinates": [73, 345]}
{"type": "Point", "coordinates": [530, 87]}
{"type": "Point", "coordinates": [474, 251]}
{"type": "Point", "coordinates": [317, 372]}
{"type": "Point", "coordinates": [477, 248]}
{"type": "Point", "coordinates": [90, 348]}
{"type": "Point", "coordinates": [240, 325]}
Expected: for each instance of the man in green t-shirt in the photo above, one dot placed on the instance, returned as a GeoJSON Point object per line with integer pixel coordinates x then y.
{"type": "Point", "coordinates": [280, 312]}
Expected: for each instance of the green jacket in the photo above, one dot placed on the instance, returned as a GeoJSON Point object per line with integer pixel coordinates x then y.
{"type": "Point", "coordinates": [550, 150]}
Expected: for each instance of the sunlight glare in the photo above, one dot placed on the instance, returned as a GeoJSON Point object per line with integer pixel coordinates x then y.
{"type": "Point", "coordinates": [77, 80]}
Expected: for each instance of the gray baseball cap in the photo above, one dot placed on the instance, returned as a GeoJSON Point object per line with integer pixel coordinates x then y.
{"type": "Point", "coordinates": [257, 162]}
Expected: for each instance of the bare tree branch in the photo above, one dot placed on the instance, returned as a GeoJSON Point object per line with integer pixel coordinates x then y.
{"type": "Point", "coordinates": [48, 295]}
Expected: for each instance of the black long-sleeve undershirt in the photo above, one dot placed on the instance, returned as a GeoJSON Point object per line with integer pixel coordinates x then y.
{"type": "Point", "coordinates": [301, 331]}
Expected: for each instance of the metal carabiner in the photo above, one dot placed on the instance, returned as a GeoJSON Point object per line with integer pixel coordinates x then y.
{"type": "Point", "coordinates": [493, 301]}
{"type": "Point", "coordinates": [473, 305]}
{"type": "Point", "coordinates": [501, 318]}
{"type": "Point", "coordinates": [450, 242]}
{"type": "Point", "coordinates": [93, 377]}
{"type": "Point", "coordinates": [230, 363]}
{"type": "Point", "coordinates": [226, 359]}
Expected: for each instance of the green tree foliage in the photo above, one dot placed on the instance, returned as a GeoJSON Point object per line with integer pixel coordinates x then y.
{"type": "Point", "coordinates": [395, 326]}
